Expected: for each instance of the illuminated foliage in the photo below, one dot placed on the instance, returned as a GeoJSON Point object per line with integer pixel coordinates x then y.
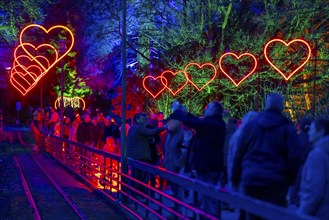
{"type": "Point", "coordinates": [74, 85]}
{"type": "Point", "coordinates": [203, 31]}
{"type": "Point", "coordinates": [168, 35]}
{"type": "Point", "coordinates": [14, 15]}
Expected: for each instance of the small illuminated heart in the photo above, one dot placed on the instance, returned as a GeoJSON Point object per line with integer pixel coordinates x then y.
{"type": "Point", "coordinates": [248, 56]}
{"type": "Point", "coordinates": [176, 80]}
{"type": "Point", "coordinates": [291, 48]}
{"type": "Point", "coordinates": [24, 78]}
{"type": "Point", "coordinates": [154, 85]}
{"type": "Point", "coordinates": [206, 73]}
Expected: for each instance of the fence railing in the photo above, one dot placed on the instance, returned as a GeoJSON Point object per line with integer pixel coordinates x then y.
{"type": "Point", "coordinates": [144, 196]}
{"type": "Point", "coordinates": [6, 120]}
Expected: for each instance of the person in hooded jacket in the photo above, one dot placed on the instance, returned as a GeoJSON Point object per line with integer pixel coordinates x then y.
{"type": "Point", "coordinates": [314, 190]}
{"type": "Point", "coordinates": [205, 151]}
{"type": "Point", "coordinates": [267, 157]}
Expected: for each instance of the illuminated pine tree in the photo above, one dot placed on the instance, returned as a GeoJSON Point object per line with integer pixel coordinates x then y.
{"type": "Point", "coordinates": [74, 86]}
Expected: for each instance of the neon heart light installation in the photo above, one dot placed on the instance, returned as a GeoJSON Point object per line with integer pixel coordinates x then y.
{"type": "Point", "coordinates": [39, 60]}
{"type": "Point", "coordinates": [298, 41]}
{"type": "Point", "coordinates": [238, 58]}
{"type": "Point", "coordinates": [199, 67]}
{"type": "Point", "coordinates": [158, 87]}
{"type": "Point", "coordinates": [167, 75]}
{"type": "Point", "coordinates": [29, 66]}
{"type": "Point", "coordinates": [25, 72]}
{"type": "Point", "coordinates": [24, 78]}
{"type": "Point", "coordinates": [57, 27]}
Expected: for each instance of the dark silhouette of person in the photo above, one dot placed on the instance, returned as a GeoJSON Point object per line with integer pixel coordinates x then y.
{"type": "Point", "coordinates": [267, 158]}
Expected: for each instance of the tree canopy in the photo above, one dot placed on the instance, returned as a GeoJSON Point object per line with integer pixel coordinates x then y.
{"type": "Point", "coordinates": [168, 35]}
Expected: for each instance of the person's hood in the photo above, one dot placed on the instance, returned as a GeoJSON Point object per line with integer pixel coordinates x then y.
{"type": "Point", "coordinates": [271, 118]}
{"type": "Point", "coordinates": [323, 143]}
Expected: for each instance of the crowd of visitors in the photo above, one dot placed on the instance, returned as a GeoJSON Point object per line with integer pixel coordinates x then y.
{"type": "Point", "coordinates": [263, 156]}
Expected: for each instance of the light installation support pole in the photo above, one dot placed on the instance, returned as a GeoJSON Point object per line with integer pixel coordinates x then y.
{"type": "Point", "coordinates": [62, 101]}
{"type": "Point", "coordinates": [124, 73]}
{"type": "Point", "coordinates": [41, 112]}
{"type": "Point", "coordinates": [314, 77]}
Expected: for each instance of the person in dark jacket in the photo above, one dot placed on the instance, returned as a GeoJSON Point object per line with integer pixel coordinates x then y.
{"type": "Point", "coordinates": [306, 147]}
{"type": "Point", "coordinates": [175, 150]}
{"type": "Point", "coordinates": [231, 126]}
{"type": "Point", "coordinates": [154, 141]}
{"type": "Point", "coordinates": [86, 135]}
{"type": "Point", "coordinates": [267, 157]}
{"type": "Point", "coordinates": [206, 147]}
{"type": "Point", "coordinates": [99, 130]}
{"type": "Point", "coordinates": [86, 131]}
{"type": "Point", "coordinates": [110, 129]}
{"type": "Point", "coordinates": [138, 146]}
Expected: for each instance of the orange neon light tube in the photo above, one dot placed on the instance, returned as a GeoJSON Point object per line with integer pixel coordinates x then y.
{"type": "Point", "coordinates": [237, 57]}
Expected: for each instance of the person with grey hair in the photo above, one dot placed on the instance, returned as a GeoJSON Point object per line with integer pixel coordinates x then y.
{"type": "Point", "coordinates": [267, 157]}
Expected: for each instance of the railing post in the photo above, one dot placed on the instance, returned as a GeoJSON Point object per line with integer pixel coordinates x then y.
{"type": "Point", "coordinates": [1, 124]}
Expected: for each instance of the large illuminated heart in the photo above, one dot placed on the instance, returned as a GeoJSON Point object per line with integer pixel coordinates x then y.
{"type": "Point", "coordinates": [208, 67]}
{"type": "Point", "coordinates": [173, 79]}
{"type": "Point", "coordinates": [245, 76]}
{"type": "Point", "coordinates": [299, 42]}
{"type": "Point", "coordinates": [24, 78]}
{"type": "Point", "coordinates": [53, 30]}
{"type": "Point", "coordinates": [154, 85]}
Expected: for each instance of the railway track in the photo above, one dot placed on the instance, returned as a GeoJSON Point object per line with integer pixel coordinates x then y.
{"type": "Point", "coordinates": [46, 190]}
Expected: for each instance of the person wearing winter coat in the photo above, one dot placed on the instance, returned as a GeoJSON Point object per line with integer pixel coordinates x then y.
{"type": "Point", "coordinates": [86, 131]}
{"type": "Point", "coordinates": [314, 190]}
{"type": "Point", "coordinates": [175, 151]}
{"type": "Point", "coordinates": [267, 158]}
{"type": "Point", "coordinates": [205, 152]}
{"type": "Point", "coordinates": [249, 116]}
{"type": "Point", "coordinates": [138, 147]}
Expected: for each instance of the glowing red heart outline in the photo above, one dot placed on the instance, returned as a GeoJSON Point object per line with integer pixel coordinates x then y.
{"type": "Point", "coordinates": [22, 89]}
{"type": "Point", "coordinates": [174, 74]}
{"type": "Point", "coordinates": [43, 70]}
{"type": "Point", "coordinates": [287, 44]}
{"type": "Point", "coordinates": [200, 67]}
{"type": "Point", "coordinates": [154, 78]}
{"type": "Point", "coordinates": [26, 70]}
{"type": "Point", "coordinates": [47, 31]}
{"type": "Point", "coordinates": [237, 57]}
{"type": "Point", "coordinates": [35, 58]}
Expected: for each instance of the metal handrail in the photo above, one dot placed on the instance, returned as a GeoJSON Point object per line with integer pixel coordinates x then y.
{"type": "Point", "coordinates": [102, 170]}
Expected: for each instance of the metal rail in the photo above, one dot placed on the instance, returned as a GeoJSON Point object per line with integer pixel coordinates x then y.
{"type": "Point", "coordinates": [102, 170]}
{"type": "Point", "coordinates": [28, 191]}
